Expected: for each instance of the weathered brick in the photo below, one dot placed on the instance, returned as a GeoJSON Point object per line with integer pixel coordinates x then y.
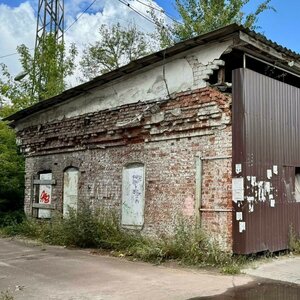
{"type": "Point", "coordinates": [103, 145]}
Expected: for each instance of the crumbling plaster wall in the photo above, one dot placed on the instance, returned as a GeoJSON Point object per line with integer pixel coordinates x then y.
{"type": "Point", "coordinates": [164, 117]}
{"type": "Point", "coordinates": [166, 137]}
{"type": "Point", "coordinates": [186, 71]}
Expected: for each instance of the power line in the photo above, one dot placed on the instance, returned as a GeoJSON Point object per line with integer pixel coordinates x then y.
{"type": "Point", "coordinates": [172, 18]}
{"type": "Point", "coordinates": [142, 15]}
{"type": "Point", "coordinates": [15, 53]}
{"type": "Point", "coordinates": [11, 54]}
{"type": "Point", "coordinates": [137, 11]}
{"type": "Point", "coordinates": [7, 55]}
{"type": "Point", "coordinates": [76, 19]}
{"type": "Point", "coordinates": [159, 10]}
{"type": "Point", "coordinates": [132, 22]}
{"type": "Point", "coordinates": [150, 6]}
{"type": "Point", "coordinates": [123, 2]}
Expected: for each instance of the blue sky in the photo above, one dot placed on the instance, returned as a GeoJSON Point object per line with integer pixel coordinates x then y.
{"type": "Point", "coordinates": [18, 23]}
{"type": "Point", "coordinates": [281, 26]}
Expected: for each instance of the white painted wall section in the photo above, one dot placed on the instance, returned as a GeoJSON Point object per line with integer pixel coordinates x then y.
{"type": "Point", "coordinates": [179, 75]}
{"type": "Point", "coordinates": [133, 196]}
{"type": "Point", "coordinates": [186, 71]}
{"type": "Point", "coordinates": [70, 197]}
{"type": "Point", "coordinates": [209, 53]}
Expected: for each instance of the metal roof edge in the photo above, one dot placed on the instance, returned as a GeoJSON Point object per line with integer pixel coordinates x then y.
{"type": "Point", "coordinates": [147, 61]}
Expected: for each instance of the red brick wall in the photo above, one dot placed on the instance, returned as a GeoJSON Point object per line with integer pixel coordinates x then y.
{"type": "Point", "coordinates": [165, 136]}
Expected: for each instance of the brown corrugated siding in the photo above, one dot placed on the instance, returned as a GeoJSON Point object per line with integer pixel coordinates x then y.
{"type": "Point", "coordinates": [266, 133]}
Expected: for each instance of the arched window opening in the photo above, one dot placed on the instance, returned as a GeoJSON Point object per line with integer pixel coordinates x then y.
{"type": "Point", "coordinates": [70, 190]}
{"type": "Point", "coordinates": [133, 196]}
{"type": "Point", "coordinates": [45, 194]}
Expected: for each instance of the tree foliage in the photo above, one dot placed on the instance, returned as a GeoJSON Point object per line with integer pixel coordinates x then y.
{"type": "Point", "coordinates": [51, 64]}
{"type": "Point", "coordinates": [13, 95]}
{"type": "Point", "coordinates": [44, 75]}
{"type": "Point", "coordinates": [117, 46]}
{"type": "Point", "coordinates": [44, 78]}
{"type": "Point", "coordinates": [201, 16]}
{"type": "Point", "coordinates": [11, 171]}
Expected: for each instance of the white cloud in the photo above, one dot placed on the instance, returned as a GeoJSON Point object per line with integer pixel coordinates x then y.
{"type": "Point", "coordinates": [18, 27]}
{"type": "Point", "coordinates": [18, 24]}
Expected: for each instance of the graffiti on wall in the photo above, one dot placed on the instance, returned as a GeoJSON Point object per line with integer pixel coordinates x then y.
{"type": "Point", "coordinates": [45, 191]}
{"type": "Point", "coordinates": [133, 201]}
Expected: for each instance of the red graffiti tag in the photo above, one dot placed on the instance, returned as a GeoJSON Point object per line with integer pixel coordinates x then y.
{"type": "Point", "coordinates": [45, 197]}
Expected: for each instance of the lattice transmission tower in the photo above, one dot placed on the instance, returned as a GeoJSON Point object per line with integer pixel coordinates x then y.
{"type": "Point", "coordinates": [50, 21]}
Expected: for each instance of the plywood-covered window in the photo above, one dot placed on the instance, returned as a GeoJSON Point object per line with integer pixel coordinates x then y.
{"type": "Point", "coordinates": [45, 195]}
{"type": "Point", "coordinates": [70, 195]}
{"type": "Point", "coordinates": [133, 196]}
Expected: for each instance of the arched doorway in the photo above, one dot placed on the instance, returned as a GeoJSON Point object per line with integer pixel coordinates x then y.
{"type": "Point", "coordinates": [70, 195]}
{"type": "Point", "coordinates": [133, 195]}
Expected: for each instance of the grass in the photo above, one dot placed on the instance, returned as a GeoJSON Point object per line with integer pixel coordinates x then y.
{"type": "Point", "coordinates": [294, 242]}
{"type": "Point", "coordinates": [188, 246]}
{"type": "Point", "coordinates": [6, 296]}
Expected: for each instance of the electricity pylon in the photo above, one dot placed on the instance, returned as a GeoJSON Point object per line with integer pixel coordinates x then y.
{"type": "Point", "coordinates": [50, 22]}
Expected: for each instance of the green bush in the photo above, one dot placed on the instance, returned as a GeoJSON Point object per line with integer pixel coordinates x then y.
{"type": "Point", "coordinates": [190, 246]}
{"type": "Point", "coordinates": [28, 228]}
{"type": "Point", "coordinates": [53, 231]}
{"type": "Point", "coordinates": [80, 229]}
{"type": "Point", "coordinates": [11, 218]}
{"type": "Point", "coordinates": [294, 241]}
{"type": "Point", "coordinates": [84, 228]}
{"type": "Point", "coordinates": [11, 171]}
{"type": "Point", "coordinates": [6, 296]}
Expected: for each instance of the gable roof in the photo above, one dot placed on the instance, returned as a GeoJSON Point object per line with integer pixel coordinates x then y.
{"type": "Point", "coordinates": [148, 60]}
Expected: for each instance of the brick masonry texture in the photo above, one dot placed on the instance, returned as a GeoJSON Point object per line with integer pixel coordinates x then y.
{"type": "Point", "coordinates": [165, 136]}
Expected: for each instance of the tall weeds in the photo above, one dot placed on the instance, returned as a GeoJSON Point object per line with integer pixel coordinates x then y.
{"type": "Point", "coordinates": [294, 241]}
{"type": "Point", "coordinates": [189, 245]}
{"type": "Point", "coordinates": [6, 296]}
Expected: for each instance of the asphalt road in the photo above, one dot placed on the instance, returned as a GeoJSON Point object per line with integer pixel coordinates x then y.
{"type": "Point", "coordinates": [285, 268]}
{"type": "Point", "coordinates": [32, 271]}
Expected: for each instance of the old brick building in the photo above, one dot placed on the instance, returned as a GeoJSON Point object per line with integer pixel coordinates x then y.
{"type": "Point", "coordinates": [156, 140]}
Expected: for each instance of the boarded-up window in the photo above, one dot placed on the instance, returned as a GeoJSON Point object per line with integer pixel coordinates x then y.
{"type": "Point", "coordinates": [70, 197]}
{"type": "Point", "coordinates": [45, 195]}
{"type": "Point", "coordinates": [133, 199]}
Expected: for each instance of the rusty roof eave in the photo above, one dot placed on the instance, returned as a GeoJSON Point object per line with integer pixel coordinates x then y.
{"type": "Point", "coordinates": [275, 51]}
{"type": "Point", "coordinates": [149, 60]}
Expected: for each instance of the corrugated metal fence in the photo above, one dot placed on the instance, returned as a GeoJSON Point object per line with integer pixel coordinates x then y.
{"type": "Point", "coordinates": [266, 152]}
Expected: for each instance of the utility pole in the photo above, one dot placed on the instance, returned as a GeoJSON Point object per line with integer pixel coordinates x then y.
{"type": "Point", "coordinates": [50, 22]}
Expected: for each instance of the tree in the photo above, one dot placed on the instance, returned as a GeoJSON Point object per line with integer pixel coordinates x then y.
{"type": "Point", "coordinates": [44, 75]}
{"type": "Point", "coordinates": [45, 66]}
{"type": "Point", "coordinates": [11, 171]}
{"type": "Point", "coordinates": [201, 16]}
{"type": "Point", "coordinates": [13, 95]}
{"type": "Point", "coordinates": [117, 46]}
